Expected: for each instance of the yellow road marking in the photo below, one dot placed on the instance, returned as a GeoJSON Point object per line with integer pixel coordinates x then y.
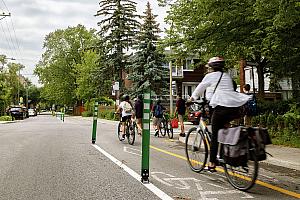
{"type": "Point", "coordinates": [267, 185]}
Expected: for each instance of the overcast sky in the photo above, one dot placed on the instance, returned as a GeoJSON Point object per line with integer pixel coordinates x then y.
{"type": "Point", "coordinates": [22, 34]}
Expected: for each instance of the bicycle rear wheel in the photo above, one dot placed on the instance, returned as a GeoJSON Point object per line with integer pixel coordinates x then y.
{"type": "Point", "coordinates": [196, 149]}
{"type": "Point", "coordinates": [243, 177]}
{"type": "Point", "coordinates": [130, 134]}
{"type": "Point", "coordinates": [169, 129]}
{"type": "Point", "coordinates": [120, 132]}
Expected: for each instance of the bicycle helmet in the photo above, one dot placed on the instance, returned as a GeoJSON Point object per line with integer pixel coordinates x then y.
{"type": "Point", "coordinates": [216, 62]}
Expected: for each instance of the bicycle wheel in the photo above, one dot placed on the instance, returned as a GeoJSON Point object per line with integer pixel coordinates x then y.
{"type": "Point", "coordinates": [196, 149]}
{"type": "Point", "coordinates": [136, 130]}
{"type": "Point", "coordinates": [120, 132]}
{"type": "Point", "coordinates": [130, 134]}
{"type": "Point", "coordinates": [243, 177]}
{"type": "Point", "coordinates": [169, 129]}
{"type": "Point", "coordinates": [163, 128]}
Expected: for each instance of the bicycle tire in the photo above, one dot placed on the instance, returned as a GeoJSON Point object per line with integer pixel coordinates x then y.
{"type": "Point", "coordinates": [130, 134]}
{"type": "Point", "coordinates": [243, 177]}
{"type": "Point", "coordinates": [169, 130]}
{"type": "Point", "coordinates": [136, 129]}
{"type": "Point", "coordinates": [163, 128]}
{"type": "Point", "coordinates": [198, 148]}
{"type": "Point", "coordinates": [119, 132]}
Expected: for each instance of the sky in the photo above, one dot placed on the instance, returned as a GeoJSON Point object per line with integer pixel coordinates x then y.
{"type": "Point", "coordinates": [22, 34]}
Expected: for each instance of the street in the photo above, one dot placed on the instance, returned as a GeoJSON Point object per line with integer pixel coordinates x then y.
{"type": "Point", "coordinates": [45, 158]}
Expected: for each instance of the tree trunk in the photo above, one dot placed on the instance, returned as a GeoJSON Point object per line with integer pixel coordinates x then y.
{"type": "Point", "coordinates": [261, 80]}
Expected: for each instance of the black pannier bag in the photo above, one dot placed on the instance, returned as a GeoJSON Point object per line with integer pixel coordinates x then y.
{"type": "Point", "coordinates": [261, 138]}
{"type": "Point", "coordinates": [235, 145]}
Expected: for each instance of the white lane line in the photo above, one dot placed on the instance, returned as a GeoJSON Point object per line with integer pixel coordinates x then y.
{"type": "Point", "coordinates": [150, 186]}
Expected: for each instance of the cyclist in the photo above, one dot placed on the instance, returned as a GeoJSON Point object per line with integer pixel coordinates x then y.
{"type": "Point", "coordinates": [138, 106]}
{"type": "Point", "coordinates": [126, 108]}
{"type": "Point", "coordinates": [222, 98]}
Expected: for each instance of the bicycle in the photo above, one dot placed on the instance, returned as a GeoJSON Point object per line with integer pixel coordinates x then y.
{"type": "Point", "coordinates": [197, 147]}
{"type": "Point", "coordinates": [166, 127]}
{"type": "Point", "coordinates": [129, 131]}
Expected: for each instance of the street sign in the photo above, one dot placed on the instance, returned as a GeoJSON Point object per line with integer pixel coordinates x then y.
{"type": "Point", "coordinates": [116, 86]}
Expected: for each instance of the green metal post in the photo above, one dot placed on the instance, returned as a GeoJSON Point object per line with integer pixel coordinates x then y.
{"type": "Point", "coordinates": [146, 137]}
{"type": "Point", "coordinates": [95, 116]}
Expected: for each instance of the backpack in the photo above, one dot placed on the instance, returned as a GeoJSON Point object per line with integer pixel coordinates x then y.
{"type": "Point", "coordinates": [158, 111]}
{"type": "Point", "coordinates": [127, 108]}
{"type": "Point", "coordinates": [251, 107]}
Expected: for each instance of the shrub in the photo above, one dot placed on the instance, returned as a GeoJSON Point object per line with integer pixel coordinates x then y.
{"type": "Point", "coordinates": [87, 114]}
{"type": "Point", "coordinates": [107, 114]}
{"type": "Point", "coordinates": [6, 118]}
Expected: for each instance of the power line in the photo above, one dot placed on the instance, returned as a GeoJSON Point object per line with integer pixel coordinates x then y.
{"type": "Point", "coordinates": [14, 41]}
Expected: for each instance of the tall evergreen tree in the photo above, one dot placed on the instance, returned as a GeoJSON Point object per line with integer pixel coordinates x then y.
{"type": "Point", "coordinates": [147, 62]}
{"type": "Point", "coordinates": [118, 25]}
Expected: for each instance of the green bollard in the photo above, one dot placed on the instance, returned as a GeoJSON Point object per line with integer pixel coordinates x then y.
{"type": "Point", "coordinates": [146, 137]}
{"type": "Point", "coordinates": [95, 116]}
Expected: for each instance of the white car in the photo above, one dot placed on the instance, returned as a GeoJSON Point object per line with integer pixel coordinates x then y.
{"type": "Point", "coordinates": [32, 112]}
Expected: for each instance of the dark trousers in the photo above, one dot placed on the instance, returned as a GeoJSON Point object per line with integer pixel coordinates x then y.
{"type": "Point", "coordinates": [221, 116]}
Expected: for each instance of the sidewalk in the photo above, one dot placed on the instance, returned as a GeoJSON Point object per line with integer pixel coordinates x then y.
{"type": "Point", "coordinates": [282, 156]}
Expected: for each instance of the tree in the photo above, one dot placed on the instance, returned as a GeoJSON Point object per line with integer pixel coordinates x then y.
{"type": "Point", "coordinates": [118, 27]}
{"type": "Point", "coordinates": [235, 29]}
{"type": "Point", "coordinates": [58, 69]}
{"type": "Point", "coordinates": [92, 78]}
{"type": "Point", "coordinates": [146, 69]}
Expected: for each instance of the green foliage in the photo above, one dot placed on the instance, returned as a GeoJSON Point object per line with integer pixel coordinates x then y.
{"type": "Point", "coordinates": [5, 118]}
{"type": "Point", "coordinates": [87, 113]}
{"type": "Point", "coordinates": [107, 114]}
{"type": "Point", "coordinates": [146, 67]}
{"type": "Point", "coordinates": [262, 31]}
{"type": "Point", "coordinates": [284, 128]}
{"type": "Point", "coordinates": [64, 63]}
{"type": "Point", "coordinates": [118, 26]}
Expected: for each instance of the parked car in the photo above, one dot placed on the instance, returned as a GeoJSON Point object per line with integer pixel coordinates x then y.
{"type": "Point", "coordinates": [17, 112]}
{"type": "Point", "coordinates": [32, 112]}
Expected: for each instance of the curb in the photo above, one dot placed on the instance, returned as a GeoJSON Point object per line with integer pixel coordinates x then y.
{"type": "Point", "coordinates": [7, 122]}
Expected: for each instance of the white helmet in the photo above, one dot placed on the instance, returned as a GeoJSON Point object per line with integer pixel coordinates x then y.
{"type": "Point", "coordinates": [216, 62]}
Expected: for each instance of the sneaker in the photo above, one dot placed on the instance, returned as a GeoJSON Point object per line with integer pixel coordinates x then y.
{"type": "Point", "coordinates": [182, 134]}
{"type": "Point", "coordinates": [156, 133]}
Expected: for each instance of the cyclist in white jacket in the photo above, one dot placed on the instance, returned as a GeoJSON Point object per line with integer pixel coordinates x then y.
{"type": "Point", "coordinates": [224, 100]}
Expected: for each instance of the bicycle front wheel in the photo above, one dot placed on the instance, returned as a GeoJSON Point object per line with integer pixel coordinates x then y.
{"type": "Point", "coordinates": [130, 134]}
{"type": "Point", "coordinates": [243, 177]}
{"type": "Point", "coordinates": [196, 149]}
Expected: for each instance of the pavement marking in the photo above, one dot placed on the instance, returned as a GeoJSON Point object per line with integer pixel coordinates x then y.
{"type": "Point", "coordinates": [159, 193]}
{"type": "Point", "coordinates": [191, 183]}
{"type": "Point", "coordinates": [267, 185]}
{"type": "Point", "coordinates": [132, 151]}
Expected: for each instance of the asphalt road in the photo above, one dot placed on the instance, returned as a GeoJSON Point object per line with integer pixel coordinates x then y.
{"type": "Point", "coordinates": [44, 158]}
